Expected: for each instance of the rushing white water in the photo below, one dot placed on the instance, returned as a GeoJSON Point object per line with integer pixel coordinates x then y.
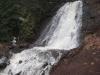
{"type": "Point", "coordinates": [61, 33]}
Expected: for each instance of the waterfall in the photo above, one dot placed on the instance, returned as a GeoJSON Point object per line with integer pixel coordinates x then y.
{"type": "Point", "coordinates": [62, 33]}
{"type": "Point", "coordinates": [65, 26]}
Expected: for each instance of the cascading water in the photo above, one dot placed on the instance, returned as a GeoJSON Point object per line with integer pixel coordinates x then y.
{"type": "Point", "coordinates": [61, 33]}
{"type": "Point", "coordinates": [65, 26]}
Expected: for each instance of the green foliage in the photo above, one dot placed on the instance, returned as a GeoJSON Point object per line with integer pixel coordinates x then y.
{"type": "Point", "coordinates": [27, 26]}
{"type": "Point", "coordinates": [21, 18]}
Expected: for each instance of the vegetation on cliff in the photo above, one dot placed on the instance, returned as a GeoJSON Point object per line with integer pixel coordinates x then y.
{"type": "Point", "coordinates": [22, 18]}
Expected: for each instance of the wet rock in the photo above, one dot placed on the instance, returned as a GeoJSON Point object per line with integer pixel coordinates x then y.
{"type": "Point", "coordinates": [45, 65]}
{"type": "Point", "coordinates": [4, 61]}
{"type": "Point", "coordinates": [18, 73]}
{"type": "Point", "coordinates": [20, 61]}
{"type": "Point", "coordinates": [91, 14]}
{"type": "Point", "coordinates": [10, 73]}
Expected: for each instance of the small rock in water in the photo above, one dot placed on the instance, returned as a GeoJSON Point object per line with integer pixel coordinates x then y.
{"type": "Point", "coordinates": [20, 61]}
{"type": "Point", "coordinates": [18, 73]}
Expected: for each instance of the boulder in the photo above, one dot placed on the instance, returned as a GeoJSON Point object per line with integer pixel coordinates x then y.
{"type": "Point", "coordinates": [4, 61]}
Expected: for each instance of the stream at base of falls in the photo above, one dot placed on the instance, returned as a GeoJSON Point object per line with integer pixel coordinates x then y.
{"type": "Point", "coordinates": [61, 35]}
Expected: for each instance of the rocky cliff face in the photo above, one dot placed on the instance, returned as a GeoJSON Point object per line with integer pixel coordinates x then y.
{"type": "Point", "coordinates": [91, 20]}
{"type": "Point", "coordinates": [86, 60]}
